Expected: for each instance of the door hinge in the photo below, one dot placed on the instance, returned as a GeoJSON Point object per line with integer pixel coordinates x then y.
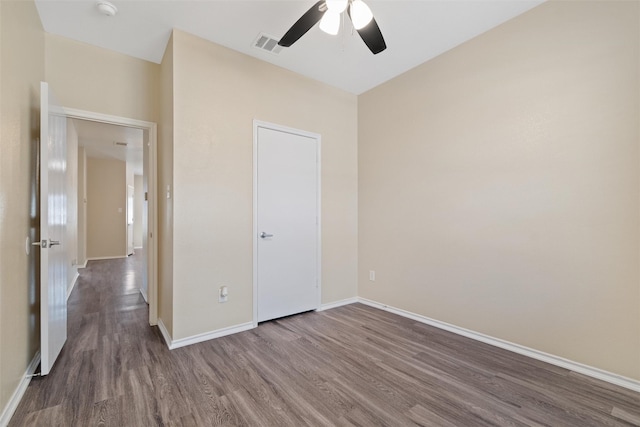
{"type": "Point", "coordinates": [146, 196]}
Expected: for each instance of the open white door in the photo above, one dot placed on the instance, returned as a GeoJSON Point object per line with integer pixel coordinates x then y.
{"type": "Point", "coordinates": [53, 223]}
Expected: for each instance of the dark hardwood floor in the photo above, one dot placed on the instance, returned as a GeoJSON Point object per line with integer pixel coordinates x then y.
{"type": "Point", "coordinates": [352, 365]}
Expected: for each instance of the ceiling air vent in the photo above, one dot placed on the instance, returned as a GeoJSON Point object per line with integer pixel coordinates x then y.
{"type": "Point", "coordinates": [267, 43]}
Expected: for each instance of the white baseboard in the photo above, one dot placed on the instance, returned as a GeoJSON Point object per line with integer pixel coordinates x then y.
{"type": "Point", "coordinates": [144, 295]}
{"type": "Point", "coordinates": [194, 339]}
{"type": "Point", "coordinates": [335, 304]}
{"type": "Point", "coordinates": [15, 399]}
{"type": "Point", "coordinates": [571, 365]}
{"type": "Point", "coordinates": [99, 258]}
{"type": "Point", "coordinates": [165, 333]}
{"type": "Point", "coordinates": [79, 266]}
{"type": "Point", "coordinates": [587, 370]}
{"type": "Point", "coordinates": [73, 284]}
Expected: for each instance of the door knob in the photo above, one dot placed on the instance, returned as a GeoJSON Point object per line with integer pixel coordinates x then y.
{"type": "Point", "coordinates": [265, 235]}
{"type": "Point", "coordinates": [42, 244]}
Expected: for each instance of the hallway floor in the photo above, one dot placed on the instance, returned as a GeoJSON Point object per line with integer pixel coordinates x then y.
{"type": "Point", "coordinates": [353, 365]}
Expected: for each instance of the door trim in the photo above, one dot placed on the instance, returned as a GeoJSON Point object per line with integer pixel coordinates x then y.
{"type": "Point", "coordinates": [257, 124]}
{"type": "Point", "coordinates": [152, 250]}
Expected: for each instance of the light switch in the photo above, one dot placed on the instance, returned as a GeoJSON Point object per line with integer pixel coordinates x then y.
{"type": "Point", "coordinates": [223, 294]}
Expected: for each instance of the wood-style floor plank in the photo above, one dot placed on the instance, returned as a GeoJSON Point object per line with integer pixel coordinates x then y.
{"type": "Point", "coordinates": [349, 366]}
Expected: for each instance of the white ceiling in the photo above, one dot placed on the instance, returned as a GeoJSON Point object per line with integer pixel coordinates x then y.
{"type": "Point", "coordinates": [99, 140]}
{"type": "Point", "coordinates": [415, 31]}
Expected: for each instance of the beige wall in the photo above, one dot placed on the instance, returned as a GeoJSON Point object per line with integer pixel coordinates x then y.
{"type": "Point", "coordinates": [100, 80]}
{"type": "Point", "coordinates": [106, 208]}
{"type": "Point", "coordinates": [499, 185]}
{"type": "Point", "coordinates": [138, 209]}
{"type": "Point", "coordinates": [129, 183]}
{"type": "Point", "coordinates": [82, 206]}
{"type": "Point", "coordinates": [71, 240]}
{"type": "Point", "coordinates": [165, 178]}
{"type": "Point", "coordinates": [217, 94]}
{"type": "Point", "coordinates": [22, 60]}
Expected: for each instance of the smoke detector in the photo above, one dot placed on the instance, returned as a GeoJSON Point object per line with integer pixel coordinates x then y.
{"type": "Point", "coordinates": [107, 8]}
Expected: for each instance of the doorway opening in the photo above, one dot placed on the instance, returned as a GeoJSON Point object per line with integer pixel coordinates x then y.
{"type": "Point", "coordinates": [126, 147]}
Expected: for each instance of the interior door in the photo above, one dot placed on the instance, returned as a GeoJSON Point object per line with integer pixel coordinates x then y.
{"type": "Point", "coordinates": [287, 222]}
{"type": "Point", "coordinates": [53, 222]}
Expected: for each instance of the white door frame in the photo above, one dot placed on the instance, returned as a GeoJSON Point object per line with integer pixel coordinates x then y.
{"type": "Point", "coordinates": [152, 247]}
{"type": "Point", "coordinates": [266, 125]}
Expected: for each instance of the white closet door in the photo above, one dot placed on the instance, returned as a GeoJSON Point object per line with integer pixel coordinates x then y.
{"type": "Point", "coordinates": [287, 223]}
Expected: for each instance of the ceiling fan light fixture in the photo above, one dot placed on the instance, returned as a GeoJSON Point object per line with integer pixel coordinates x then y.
{"type": "Point", "coordinates": [360, 13]}
{"type": "Point", "coordinates": [337, 6]}
{"type": "Point", "coordinates": [330, 22]}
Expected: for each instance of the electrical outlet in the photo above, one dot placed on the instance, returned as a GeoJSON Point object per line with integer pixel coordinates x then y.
{"type": "Point", "coordinates": [372, 275]}
{"type": "Point", "coordinates": [223, 294]}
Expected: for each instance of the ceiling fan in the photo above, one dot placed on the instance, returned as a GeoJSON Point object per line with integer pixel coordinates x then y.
{"type": "Point", "coordinates": [328, 13]}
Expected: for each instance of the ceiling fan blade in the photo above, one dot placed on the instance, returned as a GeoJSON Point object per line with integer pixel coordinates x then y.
{"type": "Point", "coordinates": [302, 25]}
{"type": "Point", "coordinates": [372, 36]}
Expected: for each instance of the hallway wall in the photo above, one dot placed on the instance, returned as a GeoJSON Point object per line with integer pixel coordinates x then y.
{"type": "Point", "coordinates": [106, 208]}
{"type": "Point", "coordinates": [82, 206]}
{"type": "Point", "coordinates": [165, 180]}
{"type": "Point", "coordinates": [138, 210]}
{"type": "Point", "coordinates": [128, 87]}
{"type": "Point", "coordinates": [72, 204]}
{"type": "Point", "coordinates": [21, 70]}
